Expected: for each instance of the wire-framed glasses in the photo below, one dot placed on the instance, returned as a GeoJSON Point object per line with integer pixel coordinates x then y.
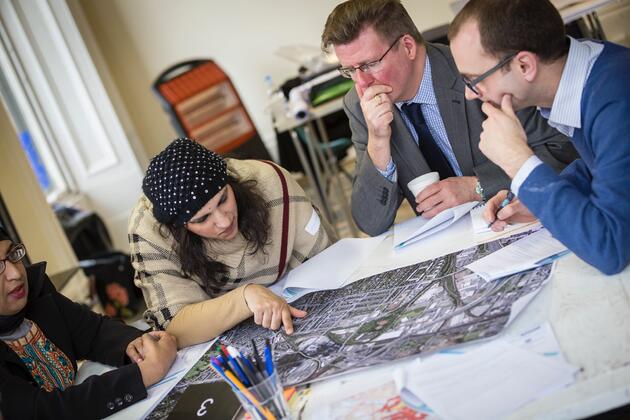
{"type": "Point", "coordinates": [370, 67]}
{"type": "Point", "coordinates": [14, 255]}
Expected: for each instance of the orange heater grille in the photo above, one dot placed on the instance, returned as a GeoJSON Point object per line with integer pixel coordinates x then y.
{"type": "Point", "coordinates": [208, 108]}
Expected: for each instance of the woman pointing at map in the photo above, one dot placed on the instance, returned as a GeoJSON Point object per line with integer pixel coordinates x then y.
{"type": "Point", "coordinates": [210, 233]}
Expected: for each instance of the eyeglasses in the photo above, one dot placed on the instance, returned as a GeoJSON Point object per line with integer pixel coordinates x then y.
{"type": "Point", "coordinates": [14, 255]}
{"type": "Point", "coordinates": [470, 84]}
{"type": "Point", "coordinates": [370, 67]}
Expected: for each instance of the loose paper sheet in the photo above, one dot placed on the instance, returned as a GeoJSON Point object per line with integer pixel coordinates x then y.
{"type": "Point", "coordinates": [521, 255]}
{"type": "Point", "coordinates": [413, 230]}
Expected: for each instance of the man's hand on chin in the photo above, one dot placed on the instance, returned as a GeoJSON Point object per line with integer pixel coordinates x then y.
{"type": "Point", "coordinates": [503, 139]}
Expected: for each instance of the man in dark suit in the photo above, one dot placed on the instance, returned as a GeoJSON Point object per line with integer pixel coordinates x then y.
{"type": "Point", "coordinates": [409, 116]}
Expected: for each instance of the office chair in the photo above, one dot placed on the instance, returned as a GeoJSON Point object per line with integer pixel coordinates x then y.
{"type": "Point", "coordinates": [203, 104]}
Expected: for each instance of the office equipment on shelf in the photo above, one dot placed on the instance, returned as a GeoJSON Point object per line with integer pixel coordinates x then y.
{"type": "Point", "coordinates": [203, 104]}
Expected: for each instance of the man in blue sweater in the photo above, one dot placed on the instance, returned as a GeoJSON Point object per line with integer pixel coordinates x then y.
{"type": "Point", "coordinates": [514, 54]}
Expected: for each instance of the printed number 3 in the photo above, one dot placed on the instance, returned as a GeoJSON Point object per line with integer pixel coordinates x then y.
{"type": "Point", "coordinates": [202, 410]}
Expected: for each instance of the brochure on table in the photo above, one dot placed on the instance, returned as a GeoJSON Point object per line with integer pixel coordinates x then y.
{"type": "Point", "coordinates": [413, 230]}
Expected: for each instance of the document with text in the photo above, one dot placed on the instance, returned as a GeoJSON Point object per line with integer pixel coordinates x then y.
{"type": "Point", "coordinates": [487, 382]}
{"type": "Point", "coordinates": [533, 250]}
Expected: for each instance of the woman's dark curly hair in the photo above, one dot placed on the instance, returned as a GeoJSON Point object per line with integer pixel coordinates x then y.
{"type": "Point", "coordinates": [253, 223]}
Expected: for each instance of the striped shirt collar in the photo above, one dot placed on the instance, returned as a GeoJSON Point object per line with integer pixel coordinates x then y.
{"type": "Point", "coordinates": [565, 112]}
{"type": "Point", "coordinates": [425, 93]}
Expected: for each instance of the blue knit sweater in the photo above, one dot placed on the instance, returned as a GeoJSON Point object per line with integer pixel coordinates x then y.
{"type": "Point", "coordinates": [587, 206]}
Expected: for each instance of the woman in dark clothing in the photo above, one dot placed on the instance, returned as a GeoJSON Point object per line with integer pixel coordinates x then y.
{"type": "Point", "coordinates": [43, 334]}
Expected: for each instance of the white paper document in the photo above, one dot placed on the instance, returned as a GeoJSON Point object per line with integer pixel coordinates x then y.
{"type": "Point", "coordinates": [480, 226]}
{"type": "Point", "coordinates": [533, 250]}
{"type": "Point", "coordinates": [330, 269]}
{"type": "Point", "coordinates": [539, 339]}
{"type": "Point", "coordinates": [487, 382]}
{"type": "Point", "coordinates": [413, 230]}
{"type": "Point", "coordinates": [478, 222]}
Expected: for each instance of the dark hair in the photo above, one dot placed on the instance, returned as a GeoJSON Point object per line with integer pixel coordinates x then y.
{"type": "Point", "coordinates": [253, 224]}
{"type": "Point", "coordinates": [509, 26]}
{"type": "Point", "coordinates": [388, 18]}
{"type": "Point", "coordinates": [4, 235]}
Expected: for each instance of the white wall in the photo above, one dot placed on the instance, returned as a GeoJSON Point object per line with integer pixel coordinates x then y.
{"type": "Point", "coordinates": [141, 38]}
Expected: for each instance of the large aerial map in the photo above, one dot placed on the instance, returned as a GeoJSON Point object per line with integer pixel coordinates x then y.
{"type": "Point", "coordinates": [416, 309]}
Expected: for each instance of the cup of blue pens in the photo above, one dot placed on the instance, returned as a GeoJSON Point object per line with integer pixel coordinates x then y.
{"type": "Point", "coordinates": [254, 381]}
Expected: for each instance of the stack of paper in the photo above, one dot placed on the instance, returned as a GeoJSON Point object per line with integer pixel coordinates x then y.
{"type": "Point", "coordinates": [492, 379]}
{"type": "Point", "coordinates": [536, 249]}
{"type": "Point", "coordinates": [413, 230]}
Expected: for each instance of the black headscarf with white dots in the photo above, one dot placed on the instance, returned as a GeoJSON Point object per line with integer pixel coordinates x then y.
{"type": "Point", "coordinates": [181, 179]}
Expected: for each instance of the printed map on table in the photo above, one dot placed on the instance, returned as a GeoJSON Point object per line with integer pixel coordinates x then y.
{"type": "Point", "coordinates": [416, 309]}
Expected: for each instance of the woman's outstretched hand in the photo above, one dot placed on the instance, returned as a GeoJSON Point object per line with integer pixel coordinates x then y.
{"type": "Point", "coordinates": [270, 310]}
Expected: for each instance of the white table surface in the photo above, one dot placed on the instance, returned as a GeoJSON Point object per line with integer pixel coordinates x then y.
{"type": "Point", "coordinates": [588, 311]}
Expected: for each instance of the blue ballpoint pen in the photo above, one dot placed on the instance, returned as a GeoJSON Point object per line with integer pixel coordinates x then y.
{"type": "Point", "coordinates": [507, 200]}
{"type": "Point", "coordinates": [268, 358]}
{"type": "Point", "coordinates": [258, 375]}
{"type": "Point", "coordinates": [233, 363]}
{"type": "Point", "coordinates": [240, 361]}
{"type": "Point", "coordinates": [227, 361]}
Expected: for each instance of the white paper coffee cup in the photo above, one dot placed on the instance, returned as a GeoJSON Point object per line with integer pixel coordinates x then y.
{"type": "Point", "coordinates": [418, 184]}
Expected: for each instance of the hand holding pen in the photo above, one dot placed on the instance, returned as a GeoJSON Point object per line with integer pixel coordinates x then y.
{"type": "Point", "coordinates": [507, 200]}
{"type": "Point", "coordinates": [512, 209]}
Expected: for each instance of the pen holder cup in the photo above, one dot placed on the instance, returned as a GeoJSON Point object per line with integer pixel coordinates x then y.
{"type": "Point", "coordinates": [265, 400]}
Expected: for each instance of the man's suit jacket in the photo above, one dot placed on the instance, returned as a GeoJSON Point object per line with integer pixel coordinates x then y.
{"type": "Point", "coordinates": [375, 199]}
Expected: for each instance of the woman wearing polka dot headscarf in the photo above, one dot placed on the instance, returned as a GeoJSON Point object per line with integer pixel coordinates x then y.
{"type": "Point", "coordinates": [206, 239]}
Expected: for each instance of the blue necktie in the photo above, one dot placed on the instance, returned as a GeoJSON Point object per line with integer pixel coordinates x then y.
{"type": "Point", "coordinates": [429, 148]}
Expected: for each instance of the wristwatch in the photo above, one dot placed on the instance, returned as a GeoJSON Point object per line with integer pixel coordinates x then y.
{"type": "Point", "coordinates": [479, 190]}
